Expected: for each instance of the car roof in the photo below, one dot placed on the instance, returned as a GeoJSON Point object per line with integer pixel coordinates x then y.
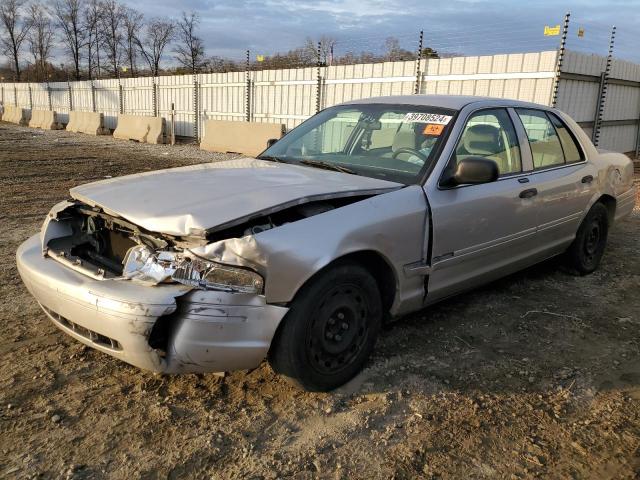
{"type": "Point", "coordinates": [453, 102]}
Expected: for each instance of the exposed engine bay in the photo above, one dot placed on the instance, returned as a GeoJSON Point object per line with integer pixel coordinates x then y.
{"type": "Point", "coordinates": [99, 241]}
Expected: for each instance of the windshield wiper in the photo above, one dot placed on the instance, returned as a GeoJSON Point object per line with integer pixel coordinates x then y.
{"type": "Point", "coordinates": [271, 158]}
{"type": "Point", "coordinates": [328, 166]}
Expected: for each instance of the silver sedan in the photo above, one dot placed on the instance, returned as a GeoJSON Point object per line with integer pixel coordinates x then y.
{"type": "Point", "coordinates": [367, 211]}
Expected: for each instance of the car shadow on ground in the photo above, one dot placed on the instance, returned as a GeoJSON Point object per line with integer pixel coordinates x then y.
{"type": "Point", "coordinates": [539, 328]}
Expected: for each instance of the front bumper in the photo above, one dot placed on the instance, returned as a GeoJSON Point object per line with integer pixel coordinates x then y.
{"type": "Point", "coordinates": [207, 331]}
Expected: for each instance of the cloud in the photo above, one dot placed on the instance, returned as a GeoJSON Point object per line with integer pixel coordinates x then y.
{"type": "Point", "coordinates": [229, 27]}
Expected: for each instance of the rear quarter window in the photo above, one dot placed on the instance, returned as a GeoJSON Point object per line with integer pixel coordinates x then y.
{"type": "Point", "coordinates": [572, 151]}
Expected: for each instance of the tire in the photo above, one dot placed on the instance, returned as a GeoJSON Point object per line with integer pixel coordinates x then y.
{"type": "Point", "coordinates": [330, 329]}
{"type": "Point", "coordinates": [585, 253]}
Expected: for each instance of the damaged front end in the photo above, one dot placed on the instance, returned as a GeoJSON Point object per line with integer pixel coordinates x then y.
{"type": "Point", "coordinates": [104, 246]}
{"type": "Point", "coordinates": [196, 302]}
{"type": "Point", "coordinates": [160, 306]}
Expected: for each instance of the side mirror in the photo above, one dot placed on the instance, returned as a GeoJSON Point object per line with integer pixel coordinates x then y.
{"type": "Point", "coordinates": [474, 170]}
{"type": "Point", "coordinates": [271, 142]}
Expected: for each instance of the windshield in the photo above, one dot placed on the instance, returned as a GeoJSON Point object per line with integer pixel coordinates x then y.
{"type": "Point", "coordinates": [391, 142]}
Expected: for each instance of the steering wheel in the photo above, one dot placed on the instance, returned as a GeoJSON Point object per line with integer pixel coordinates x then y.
{"type": "Point", "coordinates": [411, 151]}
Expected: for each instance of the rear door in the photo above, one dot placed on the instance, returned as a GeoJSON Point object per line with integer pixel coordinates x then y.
{"type": "Point", "coordinates": [481, 232]}
{"type": "Point", "coordinates": [562, 178]}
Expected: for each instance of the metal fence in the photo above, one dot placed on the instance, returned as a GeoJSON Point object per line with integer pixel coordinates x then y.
{"type": "Point", "coordinates": [587, 91]}
{"type": "Point", "coordinates": [605, 101]}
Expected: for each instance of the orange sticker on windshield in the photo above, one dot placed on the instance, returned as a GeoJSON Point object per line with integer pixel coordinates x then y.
{"type": "Point", "coordinates": [433, 129]}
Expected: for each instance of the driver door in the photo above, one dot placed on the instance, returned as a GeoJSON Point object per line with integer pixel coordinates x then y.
{"type": "Point", "coordinates": [481, 232]}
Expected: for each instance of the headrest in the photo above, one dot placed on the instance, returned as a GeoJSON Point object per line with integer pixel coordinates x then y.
{"type": "Point", "coordinates": [482, 139]}
{"type": "Point", "coordinates": [404, 139]}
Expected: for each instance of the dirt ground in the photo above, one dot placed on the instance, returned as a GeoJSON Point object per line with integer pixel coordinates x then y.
{"type": "Point", "coordinates": [536, 375]}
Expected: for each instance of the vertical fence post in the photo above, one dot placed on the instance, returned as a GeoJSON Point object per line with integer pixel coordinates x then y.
{"type": "Point", "coordinates": [120, 99]}
{"type": "Point", "coordinates": [15, 94]}
{"type": "Point", "coordinates": [599, 107]}
{"type": "Point", "coordinates": [319, 77]}
{"type": "Point", "coordinates": [602, 96]}
{"type": "Point", "coordinates": [248, 88]}
{"type": "Point", "coordinates": [30, 96]}
{"type": "Point", "coordinates": [173, 124]}
{"type": "Point", "coordinates": [49, 101]}
{"type": "Point", "coordinates": [196, 108]}
{"type": "Point", "coordinates": [70, 95]}
{"type": "Point", "coordinates": [154, 96]}
{"type": "Point", "coordinates": [418, 62]}
{"type": "Point", "coordinates": [120, 93]}
{"type": "Point", "coordinates": [561, 50]}
{"type": "Point", "coordinates": [93, 96]}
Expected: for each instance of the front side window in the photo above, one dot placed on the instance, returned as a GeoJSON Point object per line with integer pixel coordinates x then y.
{"type": "Point", "coordinates": [391, 142]}
{"type": "Point", "coordinates": [490, 134]}
{"type": "Point", "coordinates": [543, 138]}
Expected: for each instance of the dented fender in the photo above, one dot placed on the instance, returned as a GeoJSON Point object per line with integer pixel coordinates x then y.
{"type": "Point", "coordinates": [392, 224]}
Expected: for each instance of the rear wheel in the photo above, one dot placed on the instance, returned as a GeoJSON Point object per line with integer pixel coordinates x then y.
{"type": "Point", "coordinates": [330, 329]}
{"type": "Point", "coordinates": [586, 251]}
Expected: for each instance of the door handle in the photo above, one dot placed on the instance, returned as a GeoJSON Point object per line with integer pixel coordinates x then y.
{"type": "Point", "coordinates": [528, 193]}
{"type": "Point", "coordinates": [587, 179]}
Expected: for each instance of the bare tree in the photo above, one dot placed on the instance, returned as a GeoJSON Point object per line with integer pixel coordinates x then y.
{"type": "Point", "coordinates": [16, 29]}
{"type": "Point", "coordinates": [40, 38]}
{"type": "Point", "coordinates": [133, 22]}
{"type": "Point", "coordinates": [326, 49]}
{"type": "Point", "coordinates": [91, 25]}
{"type": "Point", "coordinates": [159, 33]}
{"type": "Point", "coordinates": [69, 15]}
{"type": "Point", "coordinates": [394, 52]}
{"type": "Point", "coordinates": [190, 49]}
{"type": "Point", "coordinates": [111, 23]}
{"type": "Point", "coordinates": [219, 65]}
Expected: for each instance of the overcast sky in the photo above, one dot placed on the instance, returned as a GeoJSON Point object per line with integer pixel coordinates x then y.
{"type": "Point", "coordinates": [229, 27]}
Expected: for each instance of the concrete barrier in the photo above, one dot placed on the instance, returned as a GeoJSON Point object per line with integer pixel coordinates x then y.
{"type": "Point", "coordinates": [45, 119]}
{"type": "Point", "coordinates": [91, 123]}
{"type": "Point", "coordinates": [13, 114]}
{"type": "Point", "coordinates": [248, 138]}
{"type": "Point", "coordinates": [144, 129]}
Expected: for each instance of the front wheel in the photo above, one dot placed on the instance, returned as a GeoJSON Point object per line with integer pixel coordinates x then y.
{"type": "Point", "coordinates": [330, 329]}
{"type": "Point", "coordinates": [586, 251]}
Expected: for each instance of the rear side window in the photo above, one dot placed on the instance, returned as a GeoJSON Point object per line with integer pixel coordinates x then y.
{"type": "Point", "coordinates": [544, 140]}
{"type": "Point", "coordinates": [572, 152]}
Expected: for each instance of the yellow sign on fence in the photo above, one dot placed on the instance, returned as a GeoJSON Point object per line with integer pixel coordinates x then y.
{"type": "Point", "coordinates": [551, 31]}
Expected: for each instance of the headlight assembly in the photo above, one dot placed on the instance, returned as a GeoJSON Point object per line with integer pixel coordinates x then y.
{"type": "Point", "coordinates": [145, 266]}
{"type": "Point", "coordinates": [205, 274]}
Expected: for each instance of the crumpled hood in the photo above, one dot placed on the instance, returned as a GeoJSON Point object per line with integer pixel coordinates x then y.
{"type": "Point", "coordinates": [190, 200]}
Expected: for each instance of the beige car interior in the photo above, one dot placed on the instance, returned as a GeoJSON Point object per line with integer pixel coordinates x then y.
{"type": "Point", "coordinates": [491, 142]}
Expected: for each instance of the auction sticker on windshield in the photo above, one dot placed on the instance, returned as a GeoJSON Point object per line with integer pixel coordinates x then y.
{"type": "Point", "coordinates": [433, 129]}
{"type": "Point", "coordinates": [428, 118]}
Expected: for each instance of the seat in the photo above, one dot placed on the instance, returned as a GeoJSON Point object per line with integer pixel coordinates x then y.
{"type": "Point", "coordinates": [404, 139]}
{"type": "Point", "coordinates": [483, 140]}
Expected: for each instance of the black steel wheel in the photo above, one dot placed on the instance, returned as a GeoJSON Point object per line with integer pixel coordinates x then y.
{"type": "Point", "coordinates": [330, 329]}
{"type": "Point", "coordinates": [586, 251]}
